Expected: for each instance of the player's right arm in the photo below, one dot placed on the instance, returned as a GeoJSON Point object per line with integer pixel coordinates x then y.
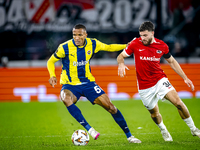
{"type": "Point", "coordinates": [51, 64]}
{"type": "Point", "coordinates": [120, 58]}
{"type": "Point", "coordinates": [121, 66]}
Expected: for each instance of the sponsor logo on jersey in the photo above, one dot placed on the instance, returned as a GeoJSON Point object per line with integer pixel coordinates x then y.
{"type": "Point", "coordinates": [141, 50]}
{"type": "Point", "coordinates": [149, 58]}
{"type": "Point", "coordinates": [81, 63]}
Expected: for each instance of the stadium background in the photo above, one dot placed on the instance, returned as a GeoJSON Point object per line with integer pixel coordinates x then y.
{"type": "Point", "coordinates": [31, 30]}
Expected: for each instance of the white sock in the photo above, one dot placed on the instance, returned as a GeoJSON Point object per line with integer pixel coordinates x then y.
{"type": "Point", "coordinates": [190, 123]}
{"type": "Point", "coordinates": [162, 126]}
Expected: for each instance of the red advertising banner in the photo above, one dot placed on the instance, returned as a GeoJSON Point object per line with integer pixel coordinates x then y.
{"type": "Point", "coordinates": [31, 84]}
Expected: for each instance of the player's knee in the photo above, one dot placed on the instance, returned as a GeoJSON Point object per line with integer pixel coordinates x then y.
{"type": "Point", "coordinates": [66, 98]}
{"type": "Point", "coordinates": [179, 105]}
{"type": "Point", "coordinates": [155, 115]}
{"type": "Point", "coordinates": [67, 101]}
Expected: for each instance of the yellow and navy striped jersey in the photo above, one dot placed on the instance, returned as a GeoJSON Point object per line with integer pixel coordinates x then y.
{"type": "Point", "coordinates": [76, 60]}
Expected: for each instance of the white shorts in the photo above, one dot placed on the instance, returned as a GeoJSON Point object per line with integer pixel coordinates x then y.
{"type": "Point", "coordinates": [151, 95]}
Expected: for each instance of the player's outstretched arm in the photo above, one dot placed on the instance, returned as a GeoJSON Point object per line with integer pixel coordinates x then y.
{"type": "Point", "coordinates": [108, 47]}
{"type": "Point", "coordinates": [51, 69]}
{"type": "Point", "coordinates": [121, 66]}
{"type": "Point", "coordinates": [177, 68]}
{"type": "Point", "coordinates": [113, 47]}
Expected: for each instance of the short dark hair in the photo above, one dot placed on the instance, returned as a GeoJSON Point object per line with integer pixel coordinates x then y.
{"type": "Point", "coordinates": [79, 26]}
{"type": "Point", "coordinates": [147, 25]}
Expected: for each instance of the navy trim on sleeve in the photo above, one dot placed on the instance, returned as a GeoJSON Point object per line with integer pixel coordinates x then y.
{"type": "Point", "coordinates": [55, 55]}
{"type": "Point", "coordinates": [168, 55]}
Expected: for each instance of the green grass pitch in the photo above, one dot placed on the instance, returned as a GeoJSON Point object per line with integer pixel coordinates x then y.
{"type": "Point", "coordinates": [49, 126]}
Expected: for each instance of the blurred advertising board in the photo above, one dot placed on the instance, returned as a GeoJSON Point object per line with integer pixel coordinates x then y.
{"type": "Point", "coordinates": [31, 84]}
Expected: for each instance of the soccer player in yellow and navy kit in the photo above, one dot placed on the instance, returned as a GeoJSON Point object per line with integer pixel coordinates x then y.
{"type": "Point", "coordinates": [77, 80]}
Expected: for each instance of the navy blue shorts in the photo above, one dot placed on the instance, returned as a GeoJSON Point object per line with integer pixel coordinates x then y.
{"type": "Point", "coordinates": [90, 90]}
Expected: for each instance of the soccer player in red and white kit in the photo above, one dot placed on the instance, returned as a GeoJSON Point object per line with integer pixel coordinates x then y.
{"type": "Point", "coordinates": [152, 81]}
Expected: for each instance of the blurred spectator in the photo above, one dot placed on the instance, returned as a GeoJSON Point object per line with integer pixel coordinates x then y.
{"type": "Point", "coordinates": [178, 15]}
{"type": "Point", "coordinates": [4, 61]}
{"type": "Point", "coordinates": [196, 22]}
{"type": "Point", "coordinates": [183, 27]}
{"type": "Point", "coordinates": [179, 51]}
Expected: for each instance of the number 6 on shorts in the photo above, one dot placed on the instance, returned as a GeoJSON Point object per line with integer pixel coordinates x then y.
{"type": "Point", "coordinates": [97, 89]}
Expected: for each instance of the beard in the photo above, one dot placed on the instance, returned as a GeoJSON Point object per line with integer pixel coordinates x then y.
{"type": "Point", "coordinates": [147, 42]}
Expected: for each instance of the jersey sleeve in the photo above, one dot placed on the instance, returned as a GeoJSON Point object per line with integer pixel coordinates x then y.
{"type": "Point", "coordinates": [166, 54]}
{"type": "Point", "coordinates": [130, 49]}
{"type": "Point", "coordinates": [59, 53]}
{"type": "Point", "coordinates": [166, 49]}
{"type": "Point", "coordinates": [110, 48]}
{"type": "Point", "coordinates": [51, 65]}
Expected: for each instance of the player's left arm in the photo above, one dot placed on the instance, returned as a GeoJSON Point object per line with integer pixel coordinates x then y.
{"type": "Point", "coordinates": [177, 68]}
{"type": "Point", "coordinates": [109, 47]}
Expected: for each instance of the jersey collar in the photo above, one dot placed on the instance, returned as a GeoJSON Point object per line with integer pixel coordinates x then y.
{"type": "Point", "coordinates": [79, 46]}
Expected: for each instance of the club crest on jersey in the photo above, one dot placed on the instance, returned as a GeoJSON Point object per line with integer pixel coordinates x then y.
{"type": "Point", "coordinates": [89, 52]}
{"type": "Point", "coordinates": [159, 51]}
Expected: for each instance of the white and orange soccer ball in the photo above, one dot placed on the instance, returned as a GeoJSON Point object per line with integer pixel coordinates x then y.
{"type": "Point", "coordinates": [80, 138]}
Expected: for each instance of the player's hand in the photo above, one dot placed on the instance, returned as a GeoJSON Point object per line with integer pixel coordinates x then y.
{"type": "Point", "coordinates": [53, 81]}
{"type": "Point", "coordinates": [189, 83]}
{"type": "Point", "coordinates": [128, 44]}
{"type": "Point", "coordinates": [122, 70]}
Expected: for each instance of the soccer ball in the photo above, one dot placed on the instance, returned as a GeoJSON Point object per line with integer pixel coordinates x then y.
{"type": "Point", "coordinates": [80, 137]}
